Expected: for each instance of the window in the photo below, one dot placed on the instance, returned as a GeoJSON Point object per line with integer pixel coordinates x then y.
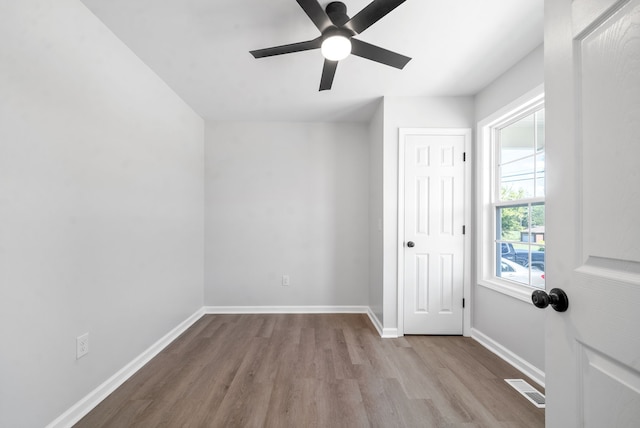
{"type": "Point", "coordinates": [511, 244]}
{"type": "Point", "coordinates": [519, 196]}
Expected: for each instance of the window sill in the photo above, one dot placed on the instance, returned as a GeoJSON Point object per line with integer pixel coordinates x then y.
{"type": "Point", "coordinates": [519, 292]}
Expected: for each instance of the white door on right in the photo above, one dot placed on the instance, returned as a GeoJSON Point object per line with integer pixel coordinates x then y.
{"type": "Point", "coordinates": [592, 86]}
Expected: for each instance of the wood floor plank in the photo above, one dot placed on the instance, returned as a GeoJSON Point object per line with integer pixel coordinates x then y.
{"type": "Point", "coordinates": [471, 404]}
{"type": "Point", "coordinates": [293, 404]}
{"type": "Point", "coordinates": [319, 370]}
{"type": "Point", "coordinates": [352, 337]}
{"type": "Point", "coordinates": [245, 405]}
{"type": "Point", "coordinates": [339, 404]}
{"type": "Point", "coordinates": [412, 412]}
{"type": "Point", "coordinates": [380, 410]}
{"type": "Point", "coordinates": [341, 358]}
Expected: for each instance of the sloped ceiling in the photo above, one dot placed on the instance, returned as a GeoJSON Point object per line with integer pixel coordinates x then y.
{"type": "Point", "coordinates": [201, 50]}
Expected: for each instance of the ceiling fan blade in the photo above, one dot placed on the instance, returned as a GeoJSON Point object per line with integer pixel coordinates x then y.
{"type": "Point", "coordinates": [328, 72]}
{"type": "Point", "coordinates": [372, 14]}
{"type": "Point", "coordinates": [285, 49]}
{"type": "Point", "coordinates": [317, 14]}
{"type": "Point", "coordinates": [378, 54]}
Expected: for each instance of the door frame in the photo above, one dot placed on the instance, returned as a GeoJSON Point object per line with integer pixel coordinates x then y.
{"type": "Point", "coordinates": [466, 291]}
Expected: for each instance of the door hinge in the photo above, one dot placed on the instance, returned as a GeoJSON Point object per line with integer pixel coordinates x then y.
{"type": "Point", "coordinates": [464, 230]}
{"type": "Point", "coordinates": [463, 303]}
{"type": "Point", "coordinates": [464, 156]}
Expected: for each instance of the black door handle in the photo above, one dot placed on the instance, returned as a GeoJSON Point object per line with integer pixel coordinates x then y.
{"type": "Point", "coordinates": [411, 244]}
{"type": "Point", "coordinates": [556, 298]}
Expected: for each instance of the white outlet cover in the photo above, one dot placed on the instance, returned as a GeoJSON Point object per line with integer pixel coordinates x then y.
{"type": "Point", "coordinates": [82, 345]}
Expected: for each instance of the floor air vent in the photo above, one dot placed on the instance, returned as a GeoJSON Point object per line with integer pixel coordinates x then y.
{"type": "Point", "coordinates": [528, 392]}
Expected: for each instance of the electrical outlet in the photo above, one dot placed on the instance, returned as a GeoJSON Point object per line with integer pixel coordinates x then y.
{"type": "Point", "coordinates": [286, 280]}
{"type": "Point", "coordinates": [82, 345]}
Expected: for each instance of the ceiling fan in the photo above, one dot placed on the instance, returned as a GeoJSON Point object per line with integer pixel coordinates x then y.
{"type": "Point", "coordinates": [336, 41]}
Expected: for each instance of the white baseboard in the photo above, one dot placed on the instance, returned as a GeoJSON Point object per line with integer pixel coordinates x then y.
{"type": "Point", "coordinates": [385, 333]}
{"type": "Point", "coordinates": [85, 405]}
{"type": "Point", "coordinates": [516, 361]}
{"type": "Point", "coordinates": [286, 309]}
{"type": "Point", "coordinates": [375, 321]}
{"type": "Point", "coordinates": [390, 333]}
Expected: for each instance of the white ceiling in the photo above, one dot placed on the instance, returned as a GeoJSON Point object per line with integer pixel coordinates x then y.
{"type": "Point", "coordinates": [200, 48]}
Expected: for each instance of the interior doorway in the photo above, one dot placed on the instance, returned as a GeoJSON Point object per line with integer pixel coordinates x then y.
{"type": "Point", "coordinates": [433, 257]}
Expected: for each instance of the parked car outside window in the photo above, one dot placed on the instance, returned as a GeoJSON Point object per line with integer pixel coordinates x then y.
{"type": "Point", "coordinates": [518, 273]}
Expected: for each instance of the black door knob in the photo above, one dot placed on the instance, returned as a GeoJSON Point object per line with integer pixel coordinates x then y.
{"type": "Point", "coordinates": [556, 298]}
{"type": "Point", "coordinates": [411, 244]}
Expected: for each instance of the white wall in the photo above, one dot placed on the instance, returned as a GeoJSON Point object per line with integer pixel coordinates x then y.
{"type": "Point", "coordinates": [525, 75]}
{"type": "Point", "coordinates": [101, 207]}
{"type": "Point", "coordinates": [511, 323]}
{"type": "Point", "coordinates": [376, 140]}
{"type": "Point", "coordinates": [409, 112]}
{"type": "Point", "coordinates": [286, 198]}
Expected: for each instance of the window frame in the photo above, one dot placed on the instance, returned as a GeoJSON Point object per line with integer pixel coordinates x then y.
{"type": "Point", "coordinates": [488, 190]}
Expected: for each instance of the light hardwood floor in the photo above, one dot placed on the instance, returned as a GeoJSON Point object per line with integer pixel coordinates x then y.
{"type": "Point", "coordinates": [316, 371]}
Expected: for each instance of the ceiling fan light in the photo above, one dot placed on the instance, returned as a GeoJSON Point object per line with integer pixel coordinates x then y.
{"type": "Point", "coordinates": [336, 48]}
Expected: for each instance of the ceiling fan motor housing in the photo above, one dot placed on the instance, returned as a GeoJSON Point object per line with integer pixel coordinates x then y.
{"type": "Point", "coordinates": [337, 12]}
